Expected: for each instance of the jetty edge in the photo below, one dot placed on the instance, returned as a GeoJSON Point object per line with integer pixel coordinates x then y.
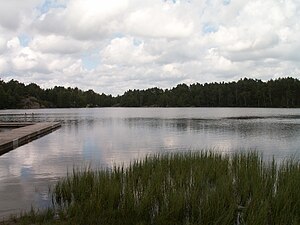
{"type": "Point", "coordinates": [14, 138]}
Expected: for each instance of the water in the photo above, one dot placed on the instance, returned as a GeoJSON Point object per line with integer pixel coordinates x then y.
{"type": "Point", "coordinates": [107, 136]}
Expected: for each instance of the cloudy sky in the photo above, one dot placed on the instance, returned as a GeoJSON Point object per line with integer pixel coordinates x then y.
{"type": "Point", "coordinates": [115, 45]}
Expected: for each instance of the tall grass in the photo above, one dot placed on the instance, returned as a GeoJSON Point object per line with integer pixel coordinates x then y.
{"type": "Point", "coordinates": [183, 188]}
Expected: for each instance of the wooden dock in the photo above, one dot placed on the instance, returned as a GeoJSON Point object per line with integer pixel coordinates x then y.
{"type": "Point", "coordinates": [14, 124]}
{"type": "Point", "coordinates": [14, 138]}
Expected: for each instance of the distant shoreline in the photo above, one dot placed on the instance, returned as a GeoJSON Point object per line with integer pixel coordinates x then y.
{"type": "Point", "coordinates": [278, 93]}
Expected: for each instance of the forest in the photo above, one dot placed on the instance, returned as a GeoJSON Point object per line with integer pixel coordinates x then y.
{"type": "Point", "coordinates": [281, 92]}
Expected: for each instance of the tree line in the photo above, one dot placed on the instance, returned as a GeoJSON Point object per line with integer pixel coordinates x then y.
{"type": "Point", "coordinates": [282, 92]}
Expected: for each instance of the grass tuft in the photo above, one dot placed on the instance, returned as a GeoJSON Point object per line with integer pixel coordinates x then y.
{"type": "Point", "coordinates": [180, 188]}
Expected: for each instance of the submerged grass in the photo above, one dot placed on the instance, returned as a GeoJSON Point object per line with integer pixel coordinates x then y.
{"type": "Point", "coordinates": [180, 188]}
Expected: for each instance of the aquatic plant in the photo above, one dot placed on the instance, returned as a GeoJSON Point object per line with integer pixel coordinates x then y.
{"type": "Point", "coordinates": [181, 188]}
{"type": "Point", "coordinates": [184, 188]}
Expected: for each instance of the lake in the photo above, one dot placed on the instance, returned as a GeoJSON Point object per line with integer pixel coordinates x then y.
{"type": "Point", "coordinates": [102, 137]}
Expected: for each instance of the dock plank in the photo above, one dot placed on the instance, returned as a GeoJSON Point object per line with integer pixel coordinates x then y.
{"type": "Point", "coordinates": [14, 138]}
{"type": "Point", "coordinates": [14, 124]}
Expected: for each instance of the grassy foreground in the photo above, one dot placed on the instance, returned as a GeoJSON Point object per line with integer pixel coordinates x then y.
{"type": "Point", "coordinates": [181, 188]}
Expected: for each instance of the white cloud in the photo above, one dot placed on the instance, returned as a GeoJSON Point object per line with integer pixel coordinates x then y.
{"type": "Point", "coordinates": [159, 21]}
{"type": "Point", "coordinates": [58, 45]}
{"type": "Point", "coordinates": [26, 59]}
{"type": "Point", "coordinates": [2, 44]}
{"type": "Point", "coordinates": [14, 12]}
{"type": "Point", "coordinates": [3, 65]}
{"type": "Point", "coordinates": [124, 51]}
{"type": "Point", "coordinates": [83, 19]}
{"type": "Point", "coordinates": [13, 44]}
{"type": "Point", "coordinates": [217, 62]}
{"type": "Point", "coordinates": [111, 46]}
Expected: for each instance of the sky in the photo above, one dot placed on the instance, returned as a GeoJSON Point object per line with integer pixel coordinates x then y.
{"type": "Point", "coordinates": [111, 46]}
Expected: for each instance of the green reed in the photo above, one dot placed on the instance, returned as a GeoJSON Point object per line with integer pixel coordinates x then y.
{"type": "Point", "coordinates": [183, 188]}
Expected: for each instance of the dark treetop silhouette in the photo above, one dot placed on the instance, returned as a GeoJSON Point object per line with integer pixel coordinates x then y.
{"type": "Point", "coordinates": [282, 92]}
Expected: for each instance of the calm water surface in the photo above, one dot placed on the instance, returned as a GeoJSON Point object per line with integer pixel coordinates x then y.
{"type": "Point", "coordinates": [106, 136]}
